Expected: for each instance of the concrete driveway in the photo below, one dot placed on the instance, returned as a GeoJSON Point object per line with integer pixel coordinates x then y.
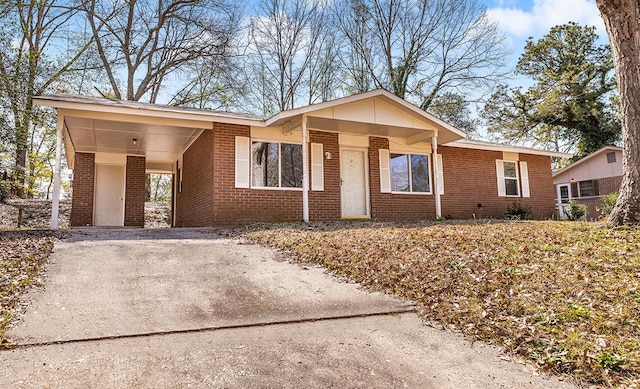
{"type": "Point", "coordinates": [182, 308]}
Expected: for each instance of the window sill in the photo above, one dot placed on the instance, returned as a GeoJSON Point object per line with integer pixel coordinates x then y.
{"type": "Point", "coordinates": [413, 193]}
{"type": "Point", "coordinates": [276, 188]}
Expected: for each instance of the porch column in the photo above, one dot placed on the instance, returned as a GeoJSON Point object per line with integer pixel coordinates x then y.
{"type": "Point", "coordinates": [55, 203]}
{"type": "Point", "coordinates": [305, 171]}
{"type": "Point", "coordinates": [436, 184]}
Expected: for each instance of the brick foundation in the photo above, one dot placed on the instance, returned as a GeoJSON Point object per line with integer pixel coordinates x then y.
{"type": "Point", "coordinates": [83, 190]}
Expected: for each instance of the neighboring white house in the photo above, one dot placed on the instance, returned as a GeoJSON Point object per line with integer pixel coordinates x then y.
{"type": "Point", "coordinates": [588, 179]}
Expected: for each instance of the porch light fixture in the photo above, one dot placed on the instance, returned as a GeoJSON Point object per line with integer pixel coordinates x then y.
{"type": "Point", "coordinates": [328, 155]}
{"type": "Point", "coordinates": [135, 141]}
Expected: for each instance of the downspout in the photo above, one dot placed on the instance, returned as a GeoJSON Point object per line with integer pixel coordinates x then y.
{"type": "Point", "coordinates": [55, 204]}
{"type": "Point", "coordinates": [436, 184]}
{"type": "Point", "coordinates": [305, 171]}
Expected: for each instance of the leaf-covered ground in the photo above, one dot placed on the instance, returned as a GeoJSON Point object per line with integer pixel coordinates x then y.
{"type": "Point", "coordinates": [564, 295]}
{"type": "Point", "coordinates": [22, 256]}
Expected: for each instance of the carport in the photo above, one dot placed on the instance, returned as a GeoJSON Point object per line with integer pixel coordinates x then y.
{"type": "Point", "coordinates": [125, 140]}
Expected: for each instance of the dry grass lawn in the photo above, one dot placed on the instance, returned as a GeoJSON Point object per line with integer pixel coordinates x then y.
{"type": "Point", "coordinates": [22, 255]}
{"type": "Point", "coordinates": [564, 295]}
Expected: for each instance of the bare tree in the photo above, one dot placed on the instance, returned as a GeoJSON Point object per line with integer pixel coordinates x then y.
{"type": "Point", "coordinates": [284, 38]}
{"type": "Point", "coordinates": [622, 19]}
{"type": "Point", "coordinates": [32, 61]}
{"type": "Point", "coordinates": [147, 41]}
{"type": "Point", "coordinates": [419, 48]}
{"type": "Point", "coordinates": [352, 19]}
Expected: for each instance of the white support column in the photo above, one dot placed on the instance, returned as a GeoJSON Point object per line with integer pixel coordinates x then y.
{"type": "Point", "coordinates": [305, 170]}
{"type": "Point", "coordinates": [436, 184]}
{"type": "Point", "coordinates": [55, 204]}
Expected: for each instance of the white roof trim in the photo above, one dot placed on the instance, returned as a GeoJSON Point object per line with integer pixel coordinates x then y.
{"type": "Point", "coordinates": [363, 96]}
{"type": "Point", "coordinates": [470, 144]}
{"type": "Point", "coordinates": [95, 104]}
{"type": "Point", "coordinates": [586, 158]}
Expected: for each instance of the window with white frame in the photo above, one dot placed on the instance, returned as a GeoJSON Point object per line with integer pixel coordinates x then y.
{"type": "Point", "coordinates": [410, 173]}
{"type": "Point", "coordinates": [513, 178]}
{"type": "Point", "coordinates": [276, 165]}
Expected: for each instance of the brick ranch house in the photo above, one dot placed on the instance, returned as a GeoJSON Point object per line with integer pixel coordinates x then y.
{"type": "Point", "coordinates": [371, 155]}
{"type": "Point", "coordinates": [588, 179]}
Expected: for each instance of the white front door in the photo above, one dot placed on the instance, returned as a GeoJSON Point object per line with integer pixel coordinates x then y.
{"type": "Point", "coordinates": [109, 198]}
{"type": "Point", "coordinates": [353, 174]}
{"type": "Point", "coordinates": [563, 192]}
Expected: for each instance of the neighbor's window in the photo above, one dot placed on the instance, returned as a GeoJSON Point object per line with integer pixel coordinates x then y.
{"type": "Point", "coordinates": [510, 178]}
{"type": "Point", "coordinates": [276, 165]}
{"type": "Point", "coordinates": [410, 173]}
{"type": "Point", "coordinates": [611, 157]}
{"type": "Point", "coordinates": [586, 188]}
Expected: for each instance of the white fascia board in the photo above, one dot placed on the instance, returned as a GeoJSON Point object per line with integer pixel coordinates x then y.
{"type": "Point", "coordinates": [159, 112]}
{"type": "Point", "coordinates": [465, 144]}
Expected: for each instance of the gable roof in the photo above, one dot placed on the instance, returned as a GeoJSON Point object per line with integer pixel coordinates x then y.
{"type": "Point", "coordinates": [379, 93]}
{"type": "Point", "coordinates": [586, 158]}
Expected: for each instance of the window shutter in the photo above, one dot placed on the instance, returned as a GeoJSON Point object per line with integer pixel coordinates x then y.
{"type": "Point", "coordinates": [440, 175]}
{"type": "Point", "coordinates": [574, 190]}
{"type": "Point", "coordinates": [596, 188]}
{"type": "Point", "coordinates": [502, 190]}
{"type": "Point", "coordinates": [524, 177]}
{"type": "Point", "coordinates": [317, 166]}
{"type": "Point", "coordinates": [243, 147]}
{"type": "Point", "coordinates": [385, 173]}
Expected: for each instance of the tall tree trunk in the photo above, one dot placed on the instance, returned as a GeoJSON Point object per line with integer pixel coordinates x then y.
{"type": "Point", "coordinates": [622, 19]}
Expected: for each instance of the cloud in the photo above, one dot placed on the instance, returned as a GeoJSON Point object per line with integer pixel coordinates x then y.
{"type": "Point", "coordinates": [544, 14]}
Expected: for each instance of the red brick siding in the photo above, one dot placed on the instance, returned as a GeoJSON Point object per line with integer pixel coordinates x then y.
{"type": "Point", "coordinates": [609, 185]}
{"type": "Point", "coordinates": [194, 205]}
{"type": "Point", "coordinates": [83, 188]}
{"type": "Point", "coordinates": [470, 179]}
{"type": "Point", "coordinates": [326, 205]}
{"type": "Point", "coordinates": [387, 206]}
{"type": "Point", "coordinates": [233, 205]}
{"type": "Point", "coordinates": [134, 192]}
{"type": "Point", "coordinates": [605, 186]}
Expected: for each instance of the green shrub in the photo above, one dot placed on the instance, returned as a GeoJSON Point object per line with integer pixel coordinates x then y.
{"type": "Point", "coordinates": [517, 211]}
{"type": "Point", "coordinates": [607, 204]}
{"type": "Point", "coordinates": [576, 211]}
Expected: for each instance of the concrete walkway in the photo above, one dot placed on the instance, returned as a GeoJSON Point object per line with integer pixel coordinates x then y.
{"type": "Point", "coordinates": [179, 308]}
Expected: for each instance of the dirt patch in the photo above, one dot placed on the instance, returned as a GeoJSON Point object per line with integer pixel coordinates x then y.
{"type": "Point", "coordinates": [32, 214]}
{"type": "Point", "coordinates": [157, 214]}
{"type": "Point", "coordinates": [36, 214]}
